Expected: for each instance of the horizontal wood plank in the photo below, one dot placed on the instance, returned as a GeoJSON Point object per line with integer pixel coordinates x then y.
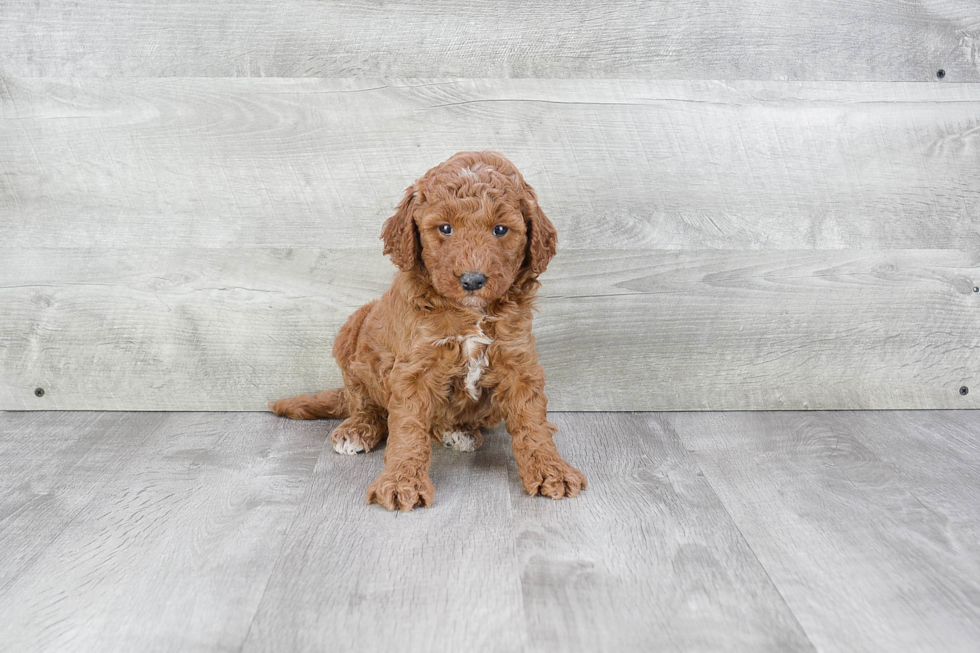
{"type": "Point", "coordinates": [758, 39]}
{"type": "Point", "coordinates": [229, 329]}
{"type": "Point", "coordinates": [617, 164]}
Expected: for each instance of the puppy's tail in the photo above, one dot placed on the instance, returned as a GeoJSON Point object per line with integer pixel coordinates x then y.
{"type": "Point", "coordinates": [329, 403]}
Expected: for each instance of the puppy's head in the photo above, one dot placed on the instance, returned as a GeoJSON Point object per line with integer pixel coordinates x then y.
{"type": "Point", "coordinates": [474, 225]}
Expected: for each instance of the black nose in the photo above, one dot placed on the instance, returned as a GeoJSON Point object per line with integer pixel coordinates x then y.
{"type": "Point", "coordinates": [472, 280]}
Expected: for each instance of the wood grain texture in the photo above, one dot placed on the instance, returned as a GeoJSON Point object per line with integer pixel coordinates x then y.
{"type": "Point", "coordinates": [617, 164]}
{"type": "Point", "coordinates": [646, 559]}
{"type": "Point", "coordinates": [44, 479]}
{"type": "Point", "coordinates": [936, 457]}
{"type": "Point", "coordinates": [363, 579]}
{"type": "Point", "coordinates": [864, 562]}
{"type": "Point", "coordinates": [221, 329]}
{"type": "Point", "coordinates": [142, 531]}
{"type": "Point", "coordinates": [847, 531]}
{"type": "Point", "coordinates": [759, 39]}
{"type": "Point", "coordinates": [490, 569]}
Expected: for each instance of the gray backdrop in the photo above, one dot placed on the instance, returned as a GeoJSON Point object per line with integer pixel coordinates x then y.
{"type": "Point", "coordinates": [760, 205]}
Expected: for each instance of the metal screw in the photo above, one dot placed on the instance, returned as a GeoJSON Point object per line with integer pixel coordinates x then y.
{"type": "Point", "coordinates": [38, 392]}
{"type": "Point", "coordinates": [940, 73]}
{"type": "Point", "coordinates": [964, 390]}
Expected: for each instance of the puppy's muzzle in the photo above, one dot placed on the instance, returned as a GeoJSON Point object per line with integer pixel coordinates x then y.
{"type": "Point", "coordinates": [471, 281]}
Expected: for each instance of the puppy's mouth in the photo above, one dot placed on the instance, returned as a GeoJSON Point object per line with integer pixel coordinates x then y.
{"type": "Point", "coordinates": [471, 300]}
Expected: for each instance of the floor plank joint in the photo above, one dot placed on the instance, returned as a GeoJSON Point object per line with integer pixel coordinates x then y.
{"type": "Point", "coordinates": [744, 531]}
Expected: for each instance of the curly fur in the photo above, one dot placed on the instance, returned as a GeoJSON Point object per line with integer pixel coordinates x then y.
{"type": "Point", "coordinates": [429, 358]}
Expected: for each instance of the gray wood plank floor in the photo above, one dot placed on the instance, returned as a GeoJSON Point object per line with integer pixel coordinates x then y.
{"type": "Point", "coordinates": [782, 531]}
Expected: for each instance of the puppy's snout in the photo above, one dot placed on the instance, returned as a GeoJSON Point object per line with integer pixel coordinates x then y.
{"type": "Point", "coordinates": [472, 281]}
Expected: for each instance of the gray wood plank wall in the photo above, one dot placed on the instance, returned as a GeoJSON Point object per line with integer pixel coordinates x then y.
{"type": "Point", "coordinates": [668, 39]}
{"type": "Point", "coordinates": [756, 209]}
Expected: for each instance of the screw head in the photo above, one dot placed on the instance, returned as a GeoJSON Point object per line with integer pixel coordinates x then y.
{"type": "Point", "coordinates": [940, 73]}
{"type": "Point", "coordinates": [964, 390]}
{"type": "Point", "coordinates": [38, 392]}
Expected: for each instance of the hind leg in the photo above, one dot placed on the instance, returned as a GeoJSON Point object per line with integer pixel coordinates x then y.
{"type": "Point", "coordinates": [462, 438]}
{"type": "Point", "coordinates": [363, 430]}
{"type": "Point", "coordinates": [466, 435]}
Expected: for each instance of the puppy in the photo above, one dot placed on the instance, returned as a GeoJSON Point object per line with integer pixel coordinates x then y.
{"type": "Point", "coordinates": [448, 348]}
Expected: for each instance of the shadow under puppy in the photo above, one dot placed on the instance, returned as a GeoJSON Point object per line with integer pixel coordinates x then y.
{"type": "Point", "coordinates": [448, 348]}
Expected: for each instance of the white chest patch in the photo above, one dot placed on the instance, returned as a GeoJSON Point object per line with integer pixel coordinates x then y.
{"type": "Point", "coordinates": [474, 347]}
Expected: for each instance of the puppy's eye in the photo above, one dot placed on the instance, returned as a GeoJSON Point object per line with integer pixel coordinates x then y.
{"type": "Point", "coordinates": [500, 230]}
{"type": "Point", "coordinates": [446, 229]}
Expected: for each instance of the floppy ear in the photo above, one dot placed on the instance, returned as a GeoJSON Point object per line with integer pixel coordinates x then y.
{"type": "Point", "coordinates": [542, 238]}
{"type": "Point", "coordinates": [400, 234]}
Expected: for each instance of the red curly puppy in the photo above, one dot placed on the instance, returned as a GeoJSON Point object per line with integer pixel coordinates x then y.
{"type": "Point", "coordinates": [448, 348]}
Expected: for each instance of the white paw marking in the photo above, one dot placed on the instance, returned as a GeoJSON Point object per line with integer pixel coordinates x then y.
{"type": "Point", "coordinates": [459, 441]}
{"type": "Point", "coordinates": [348, 448]}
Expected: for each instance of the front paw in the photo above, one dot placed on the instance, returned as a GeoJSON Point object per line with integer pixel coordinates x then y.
{"type": "Point", "coordinates": [553, 478]}
{"type": "Point", "coordinates": [403, 492]}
